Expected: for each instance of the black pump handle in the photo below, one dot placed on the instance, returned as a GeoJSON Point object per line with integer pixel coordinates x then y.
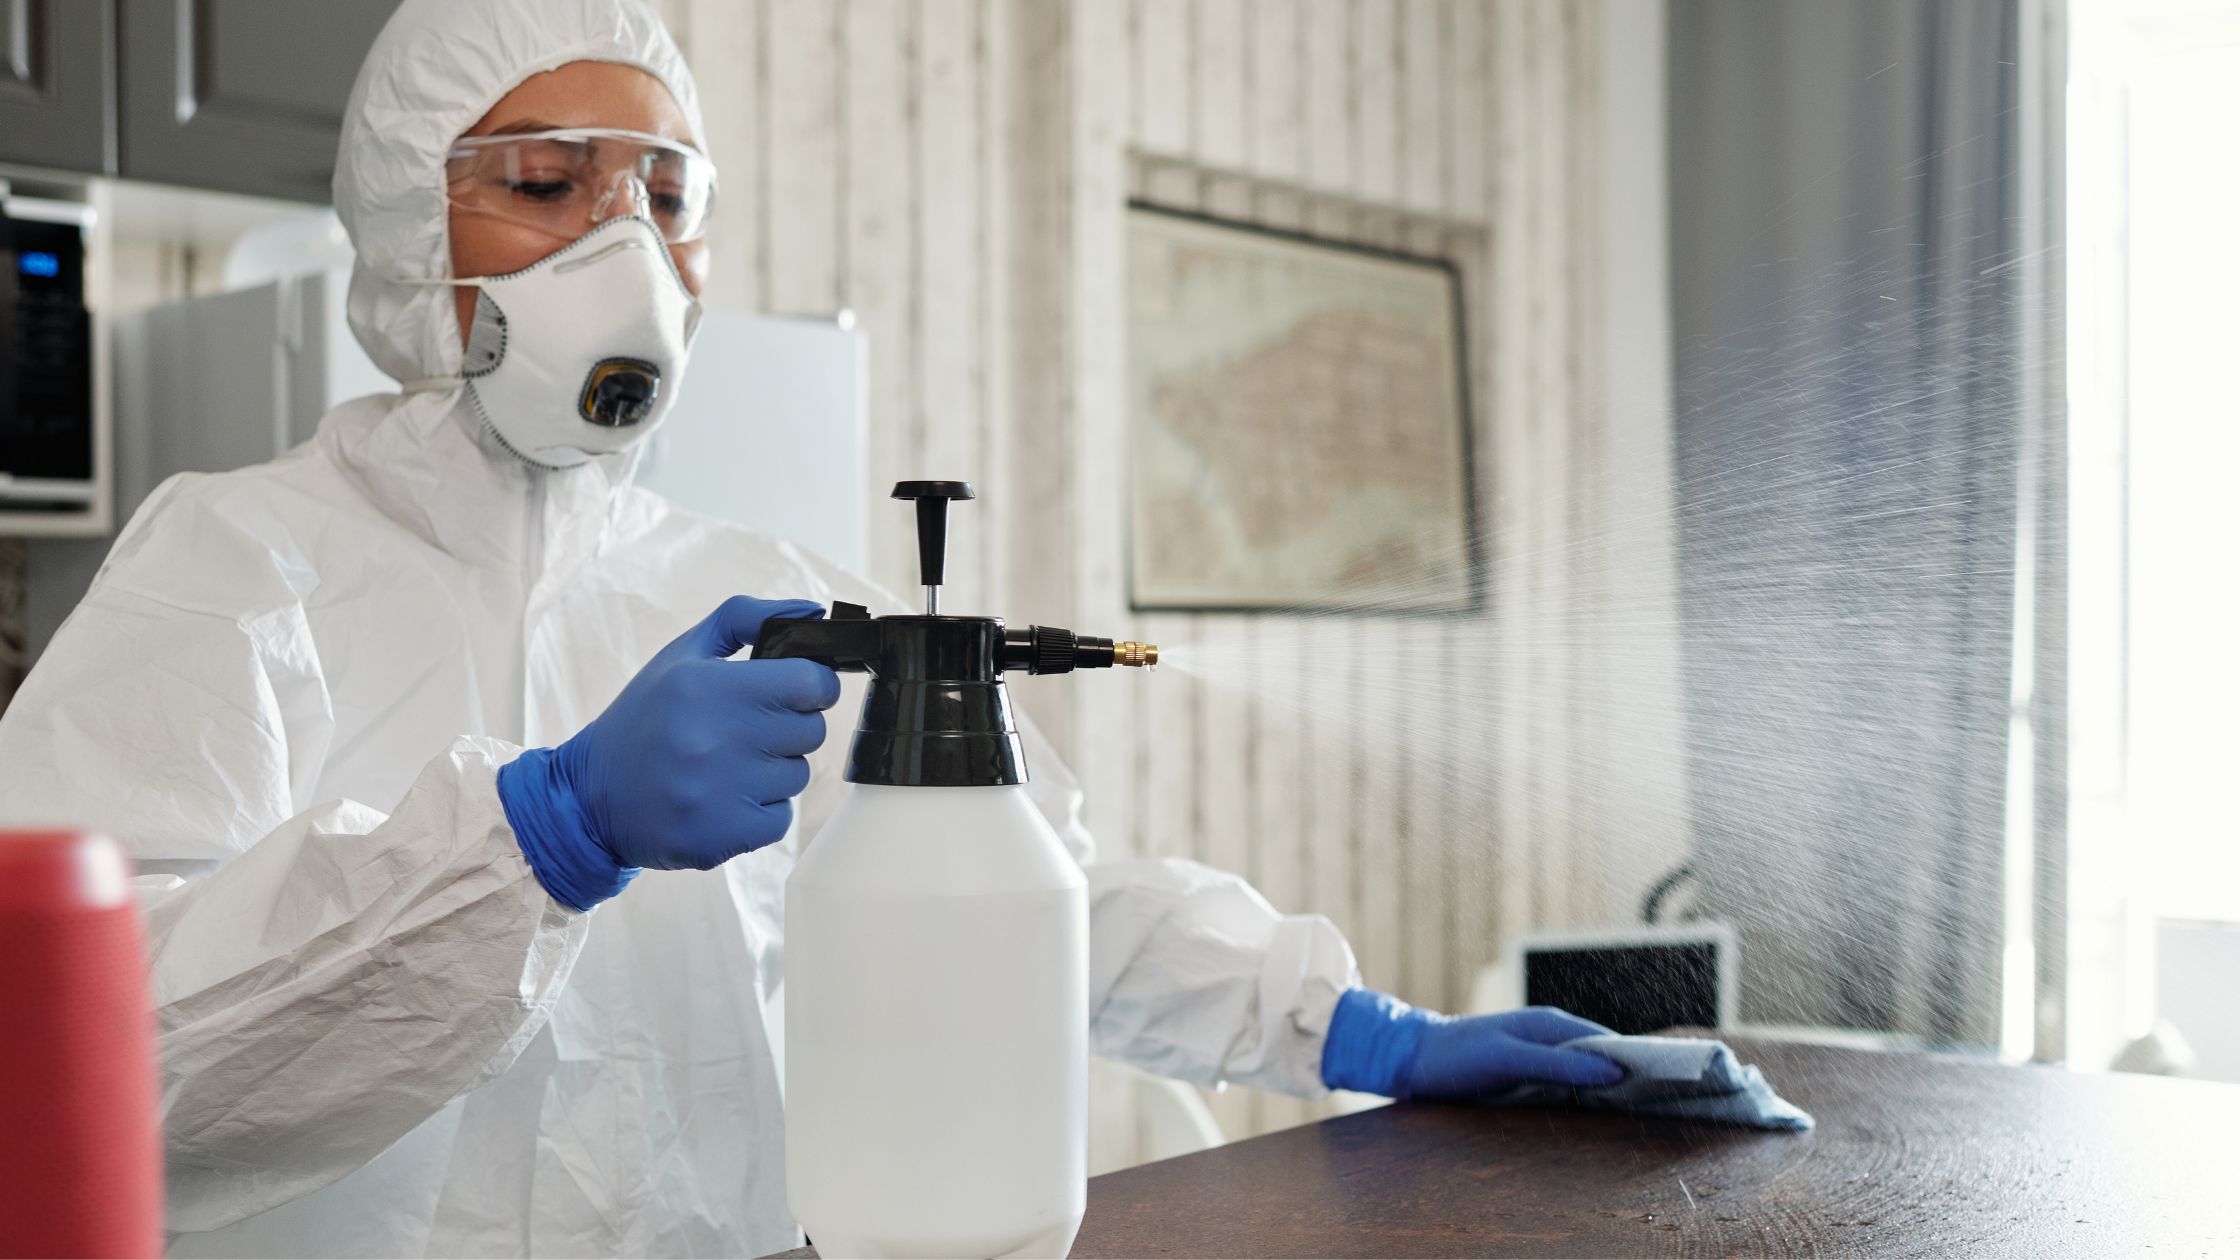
{"type": "Point", "coordinates": [933, 521]}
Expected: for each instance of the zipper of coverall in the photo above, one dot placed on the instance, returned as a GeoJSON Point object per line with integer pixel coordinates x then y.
{"type": "Point", "coordinates": [532, 572]}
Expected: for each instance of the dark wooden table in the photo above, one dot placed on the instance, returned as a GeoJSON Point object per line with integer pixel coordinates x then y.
{"type": "Point", "coordinates": [1915, 1156]}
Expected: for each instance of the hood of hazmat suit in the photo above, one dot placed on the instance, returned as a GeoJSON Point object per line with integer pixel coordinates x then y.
{"type": "Point", "coordinates": [288, 692]}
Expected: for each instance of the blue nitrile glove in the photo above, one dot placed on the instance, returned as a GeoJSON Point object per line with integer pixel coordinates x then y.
{"type": "Point", "coordinates": [695, 763]}
{"type": "Point", "coordinates": [1381, 1045]}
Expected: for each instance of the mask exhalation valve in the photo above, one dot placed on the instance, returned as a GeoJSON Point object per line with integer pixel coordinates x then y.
{"type": "Point", "coordinates": [619, 392]}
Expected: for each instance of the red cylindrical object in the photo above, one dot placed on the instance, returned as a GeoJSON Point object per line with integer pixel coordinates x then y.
{"type": "Point", "coordinates": [81, 1148]}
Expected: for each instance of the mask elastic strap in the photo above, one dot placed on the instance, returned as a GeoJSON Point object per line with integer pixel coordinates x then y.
{"type": "Point", "coordinates": [438, 384]}
{"type": "Point", "coordinates": [459, 282]}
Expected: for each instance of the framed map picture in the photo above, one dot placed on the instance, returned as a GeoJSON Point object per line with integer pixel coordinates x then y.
{"type": "Point", "coordinates": [1299, 429]}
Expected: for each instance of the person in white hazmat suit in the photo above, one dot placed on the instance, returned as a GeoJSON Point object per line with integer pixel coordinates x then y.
{"type": "Point", "coordinates": [378, 720]}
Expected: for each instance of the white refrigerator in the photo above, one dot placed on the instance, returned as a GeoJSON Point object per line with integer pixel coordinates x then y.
{"type": "Point", "coordinates": [768, 431]}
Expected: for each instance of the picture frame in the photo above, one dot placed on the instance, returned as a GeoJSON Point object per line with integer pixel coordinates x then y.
{"type": "Point", "coordinates": [1299, 421]}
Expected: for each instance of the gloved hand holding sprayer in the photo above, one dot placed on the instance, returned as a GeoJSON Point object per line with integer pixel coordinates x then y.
{"type": "Point", "coordinates": [696, 762]}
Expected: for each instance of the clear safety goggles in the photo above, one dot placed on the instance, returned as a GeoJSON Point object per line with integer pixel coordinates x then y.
{"type": "Point", "coordinates": [568, 181]}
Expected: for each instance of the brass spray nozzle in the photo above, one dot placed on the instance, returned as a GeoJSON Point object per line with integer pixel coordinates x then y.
{"type": "Point", "coordinates": [1052, 650]}
{"type": "Point", "coordinates": [1140, 655]}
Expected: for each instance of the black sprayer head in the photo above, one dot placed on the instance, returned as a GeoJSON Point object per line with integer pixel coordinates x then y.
{"type": "Point", "coordinates": [937, 714]}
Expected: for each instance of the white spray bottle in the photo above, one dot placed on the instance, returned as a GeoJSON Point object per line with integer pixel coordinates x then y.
{"type": "Point", "coordinates": [937, 947]}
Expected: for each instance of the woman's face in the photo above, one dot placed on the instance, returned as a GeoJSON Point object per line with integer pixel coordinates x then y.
{"type": "Point", "coordinates": [578, 94]}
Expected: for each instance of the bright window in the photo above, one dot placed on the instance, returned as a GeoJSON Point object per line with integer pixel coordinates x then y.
{"type": "Point", "coordinates": [2154, 344]}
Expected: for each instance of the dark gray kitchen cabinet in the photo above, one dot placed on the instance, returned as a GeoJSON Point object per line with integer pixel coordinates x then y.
{"type": "Point", "coordinates": [57, 98]}
{"type": "Point", "coordinates": [238, 95]}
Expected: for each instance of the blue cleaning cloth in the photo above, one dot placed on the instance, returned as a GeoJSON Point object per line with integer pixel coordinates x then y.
{"type": "Point", "coordinates": [1673, 1076]}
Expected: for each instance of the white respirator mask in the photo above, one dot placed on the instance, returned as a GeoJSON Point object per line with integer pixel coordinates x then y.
{"type": "Point", "coordinates": [580, 353]}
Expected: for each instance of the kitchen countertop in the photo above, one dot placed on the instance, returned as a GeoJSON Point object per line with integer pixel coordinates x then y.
{"type": "Point", "coordinates": [1914, 1155]}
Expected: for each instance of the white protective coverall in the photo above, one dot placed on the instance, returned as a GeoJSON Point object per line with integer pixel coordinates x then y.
{"type": "Point", "coordinates": [292, 685]}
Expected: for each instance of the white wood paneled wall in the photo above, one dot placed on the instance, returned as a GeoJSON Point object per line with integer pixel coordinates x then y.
{"type": "Point", "coordinates": [956, 172]}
